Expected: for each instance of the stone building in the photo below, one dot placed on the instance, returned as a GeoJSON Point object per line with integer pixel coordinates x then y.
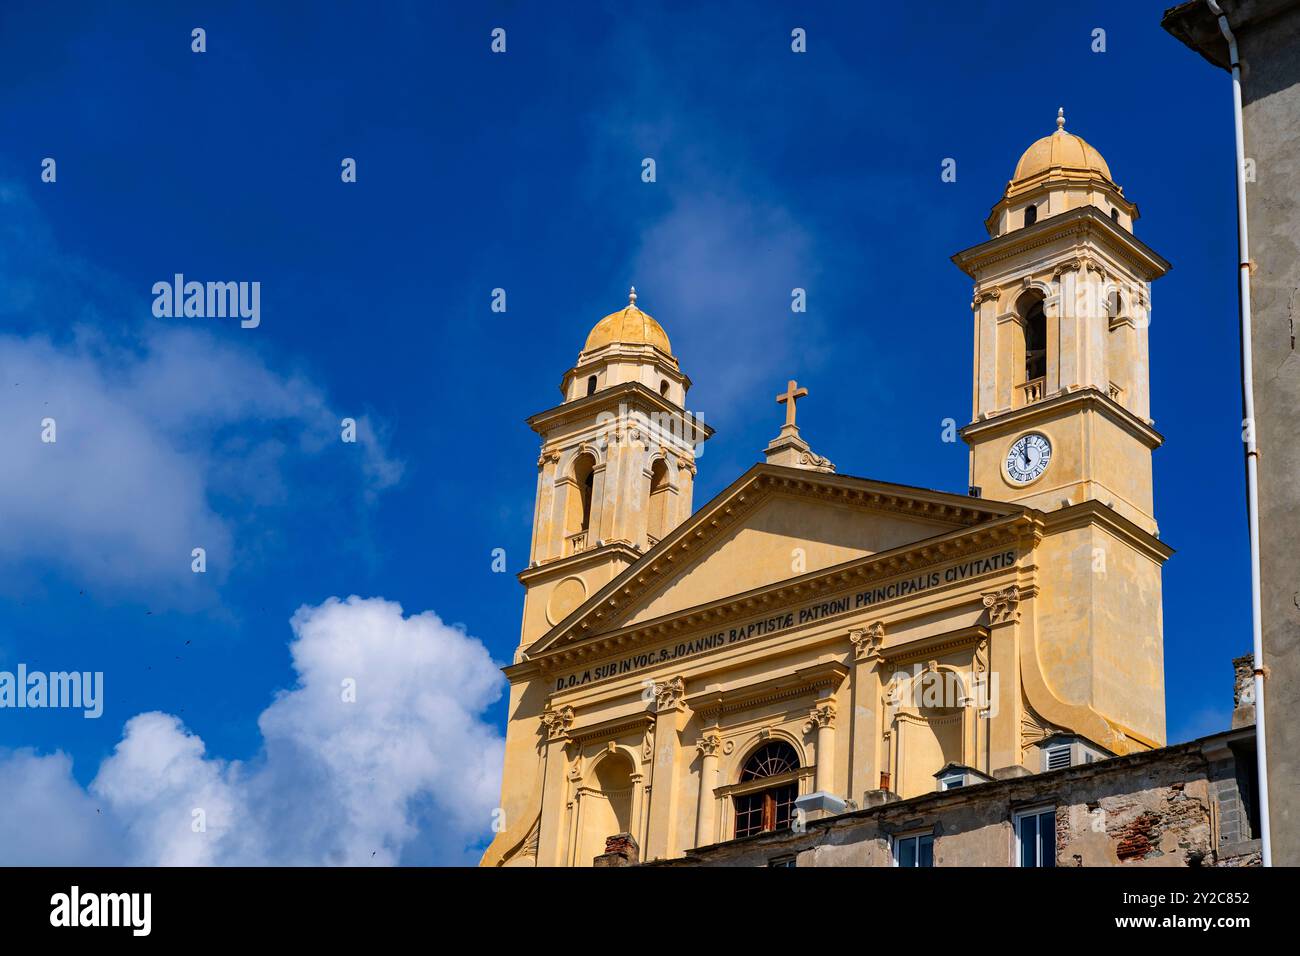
{"type": "Point", "coordinates": [808, 643]}
{"type": "Point", "coordinates": [1190, 804]}
{"type": "Point", "coordinates": [1268, 42]}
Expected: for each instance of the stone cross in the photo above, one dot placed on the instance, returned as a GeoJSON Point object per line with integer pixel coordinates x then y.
{"type": "Point", "coordinates": [788, 398]}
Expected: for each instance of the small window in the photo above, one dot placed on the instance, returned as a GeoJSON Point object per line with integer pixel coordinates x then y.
{"type": "Point", "coordinates": [663, 388]}
{"type": "Point", "coordinates": [1114, 214]}
{"type": "Point", "coordinates": [781, 861]}
{"type": "Point", "coordinates": [1036, 837]}
{"type": "Point", "coordinates": [591, 385]}
{"type": "Point", "coordinates": [1031, 215]}
{"type": "Point", "coordinates": [1057, 758]}
{"type": "Point", "coordinates": [952, 781]}
{"type": "Point", "coordinates": [914, 850]}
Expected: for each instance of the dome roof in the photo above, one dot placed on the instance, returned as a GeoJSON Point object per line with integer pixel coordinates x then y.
{"type": "Point", "coordinates": [629, 326]}
{"type": "Point", "coordinates": [1070, 155]}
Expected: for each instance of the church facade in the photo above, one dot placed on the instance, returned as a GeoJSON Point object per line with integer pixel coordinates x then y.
{"type": "Point", "coordinates": [808, 643]}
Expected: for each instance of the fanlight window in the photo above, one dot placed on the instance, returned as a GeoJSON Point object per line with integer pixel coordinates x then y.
{"type": "Point", "coordinates": [773, 808]}
{"type": "Point", "coordinates": [770, 760]}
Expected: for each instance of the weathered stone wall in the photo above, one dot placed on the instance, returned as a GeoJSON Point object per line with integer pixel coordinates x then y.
{"type": "Point", "coordinates": [1270, 52]}
{"type": "Point", "coordinates": [1268, 43]}
{"type": "Point", "coordinates": [1160, 808]}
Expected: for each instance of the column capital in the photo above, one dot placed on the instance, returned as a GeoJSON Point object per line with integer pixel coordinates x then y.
{"type": "Point", "coordinates": [670, 695]}
{"type": "Point", "coordinates": [710, 745]}
{"type": "Point", "coordinates": [821, 716]}
{"type": "Point", "coordinates": [867, 640]}
{"type": "Point", "coordinates": [557, 723]}
{"type": "Point", "coordinates": [1003, 605]}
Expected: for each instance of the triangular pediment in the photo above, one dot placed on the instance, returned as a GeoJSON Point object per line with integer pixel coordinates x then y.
{"type": "Point", "coordinates": [772, 525]}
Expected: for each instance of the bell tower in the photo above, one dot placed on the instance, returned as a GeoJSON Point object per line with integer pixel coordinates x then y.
{"type": "Point", "coordinates": [1061, 421]}
{"type": "Point", "coordinates": [1061, 404]}
{"type": "Point", "coordinates": [616, 469]}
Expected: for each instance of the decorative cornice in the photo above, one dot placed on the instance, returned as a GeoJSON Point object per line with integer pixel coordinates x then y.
{"type": "Point", "coordinates": [616, 727]}
{"type": "Point", "coordinates": [1081, 222]}
{"type": "Point", "coordinates": [1094, 512]}
{"type": "Point", "coordinates": [819, 680]}
{"type": "Point", "coordinates": [633, 395]}
{"type": "Point", "coordinates": [929, 648]}
{"type": "Point", "coordinates": [559, 566]}
{"type": "Point", "coordinates": [1009, 421]}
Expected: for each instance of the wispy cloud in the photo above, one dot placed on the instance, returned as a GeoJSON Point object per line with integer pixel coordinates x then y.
{"type": "Point", "coordinates": [166, 437]}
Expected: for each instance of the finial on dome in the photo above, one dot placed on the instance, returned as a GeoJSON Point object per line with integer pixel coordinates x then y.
{"type": "Point", "coordinates": [1060, 119]}
{"type": "Point", "coordinates": [631, 298]}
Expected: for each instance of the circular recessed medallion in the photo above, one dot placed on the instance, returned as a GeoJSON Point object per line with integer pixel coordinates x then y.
{"type": "Point", "coordinates": [568, 594]}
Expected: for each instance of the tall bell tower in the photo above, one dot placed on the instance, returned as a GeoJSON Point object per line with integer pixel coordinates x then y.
{"type": "Point", "coordinates": [1061, 421]}
{"type": "Point", "coordinates": [616, 469]}
{"type": "Point", "coordinates": [1061, 400]}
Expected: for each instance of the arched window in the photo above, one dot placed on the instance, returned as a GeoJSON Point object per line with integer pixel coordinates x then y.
{"type": "Point", "coordinates": [771, 808]}
{"type": "Point", "coordinates": [656, 516]}
{"type": "Point", "coordinates": [1114, 214]}
{"type": "Point", "coordinates": [591, 385]}
{"type": "Point", "coordinates": [663, 388]}
{"type": "Point", "coordinates": [1035, 339]}
{"type": "Point", "coordinates": [1031, 215]}
{"type": "Point", "coordinates": [578, 509]}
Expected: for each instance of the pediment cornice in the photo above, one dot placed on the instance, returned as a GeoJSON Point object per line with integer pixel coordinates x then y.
{"type": "Point", "coordinates": [730, 507]}
{"type": "Point", "coordinates": [1022, 530]}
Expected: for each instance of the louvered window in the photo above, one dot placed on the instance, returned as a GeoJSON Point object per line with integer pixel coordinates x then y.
{"type": "Point", "coordinates": [1058, 757]}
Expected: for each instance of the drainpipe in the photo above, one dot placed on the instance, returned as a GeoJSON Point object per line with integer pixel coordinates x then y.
{"type": "Point", "coordinates": [1252, 451]}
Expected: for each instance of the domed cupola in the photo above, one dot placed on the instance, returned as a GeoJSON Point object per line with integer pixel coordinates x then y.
{"type": "Point", "coordinates": [1060, 172]}
{"type": "Point", "coordinates": [628, 326]}
{"type": "Point", "coordinates": [627, 346]}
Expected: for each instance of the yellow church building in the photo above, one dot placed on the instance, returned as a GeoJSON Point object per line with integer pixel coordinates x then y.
{"type": "Point", "coordinates": [807, 639]}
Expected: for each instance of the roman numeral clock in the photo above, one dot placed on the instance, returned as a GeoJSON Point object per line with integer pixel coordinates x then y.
{"type": "Point", "coordinates": [1028, 458]}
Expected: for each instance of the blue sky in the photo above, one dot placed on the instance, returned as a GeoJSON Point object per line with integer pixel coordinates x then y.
{"type": "Point", "coordinates": [519, 171]}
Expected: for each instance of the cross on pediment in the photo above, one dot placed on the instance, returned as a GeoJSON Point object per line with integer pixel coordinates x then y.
{"type": "Point", "coordinates": [788, 398]}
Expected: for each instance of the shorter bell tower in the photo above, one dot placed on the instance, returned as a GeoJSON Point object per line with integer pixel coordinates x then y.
{"type": "Point", "coordinates": [617, 465]}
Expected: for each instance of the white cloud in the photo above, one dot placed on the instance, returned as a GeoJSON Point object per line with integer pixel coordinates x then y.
{"type": "Point", "coordinates": [410, 761]}
{"type": "Point", "coordinates": [48, 819]}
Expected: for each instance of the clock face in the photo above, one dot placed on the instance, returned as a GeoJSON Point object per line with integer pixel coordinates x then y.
{"type": "Point", "coordinates": [1028, 458]}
